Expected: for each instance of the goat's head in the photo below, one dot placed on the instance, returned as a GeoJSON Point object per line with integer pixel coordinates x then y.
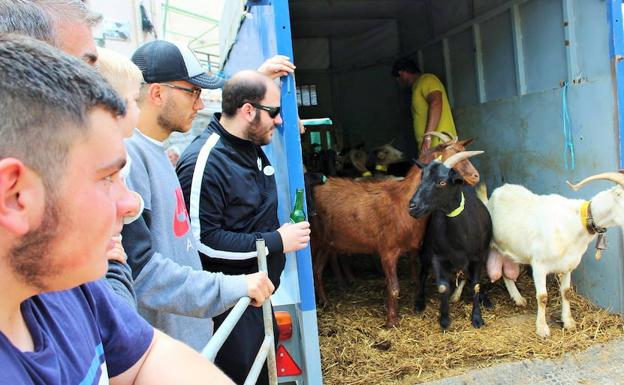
{"type": "Point", "coordinates": [388, 154]}
{"type": "Point", "coordinates": [449, 148]}
{"type": "Point", "coordinates": [617, 210]}
{"type": "Point", "coordinates": [440, 186]}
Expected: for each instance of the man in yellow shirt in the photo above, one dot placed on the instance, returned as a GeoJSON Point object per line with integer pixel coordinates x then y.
{"type": "Point", "coordinates": [431, 110]}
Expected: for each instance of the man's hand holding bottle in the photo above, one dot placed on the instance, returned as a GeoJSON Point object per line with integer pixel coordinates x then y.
{"type": "Point", "coordinates": [295, 236]}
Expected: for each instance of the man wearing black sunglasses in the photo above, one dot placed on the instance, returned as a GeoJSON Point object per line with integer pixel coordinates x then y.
{"type": "Point", "coordinates": [230, 190]}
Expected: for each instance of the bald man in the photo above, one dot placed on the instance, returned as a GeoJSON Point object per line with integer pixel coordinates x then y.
{"type": "Point", "coordinates": [236, 200]}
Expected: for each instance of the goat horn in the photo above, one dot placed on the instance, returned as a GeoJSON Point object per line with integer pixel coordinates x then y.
{"type": "Point", "coordinates": [456, 158]}
{"type": "Point", "coordinates": [612, 176]}
{"type": "Point", "coordinates": [443, 136]}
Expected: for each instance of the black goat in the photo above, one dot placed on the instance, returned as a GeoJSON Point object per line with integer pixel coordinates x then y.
{"type": "Point", "coordinates": [458, 235]}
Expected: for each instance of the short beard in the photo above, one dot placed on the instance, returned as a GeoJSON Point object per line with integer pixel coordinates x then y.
{"type": "Point", "coordinates": [253, 132]}
{"type": "Point", "coordinates": [29, 259]}
{"type": "Point", "coordinates": [165, 121]}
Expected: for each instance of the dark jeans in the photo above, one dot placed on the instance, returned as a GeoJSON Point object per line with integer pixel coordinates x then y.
{"type": "Point", "coordinates": [240, 349]}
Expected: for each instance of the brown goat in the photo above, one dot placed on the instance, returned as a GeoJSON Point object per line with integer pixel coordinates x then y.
{"type": "Point", "coordinates": [373, 218]}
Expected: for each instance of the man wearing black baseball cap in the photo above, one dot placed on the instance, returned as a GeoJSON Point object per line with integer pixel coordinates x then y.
{"type": "Point", "coordinates": [163, 61]}
{"type": "Point", "coordinates": [173, 293]}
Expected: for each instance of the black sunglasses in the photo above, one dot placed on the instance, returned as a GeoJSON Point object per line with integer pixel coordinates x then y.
{"type": "Point", "coordinates": [273, 111]}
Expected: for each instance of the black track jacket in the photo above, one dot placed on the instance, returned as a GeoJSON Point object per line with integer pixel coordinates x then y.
{"type": "Point", "coordinates": [231, 197]}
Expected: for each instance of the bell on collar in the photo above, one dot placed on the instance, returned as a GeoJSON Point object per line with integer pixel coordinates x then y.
{"type": "Point", "coordinates": [601, 244]}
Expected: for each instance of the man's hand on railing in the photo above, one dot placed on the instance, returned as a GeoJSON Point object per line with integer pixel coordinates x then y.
{"type": "Point", "coordinates": [259, 288]}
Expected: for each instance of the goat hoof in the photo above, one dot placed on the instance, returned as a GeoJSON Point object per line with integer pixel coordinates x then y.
{"type": "Point", "coordinates": [477, 322]}
{"type": "Point", "coordinates": [521, 302]}
{"type": "Point", "coordinates": [392, 324]}
{"type": "Point", "coordinates": [445, 323]}
{"type": "Point", "coordinates": [543, 332]}
{"type": "Point", "coordinates": [420, 306]}
{"type": "Point", "coordinates": [570, 325]}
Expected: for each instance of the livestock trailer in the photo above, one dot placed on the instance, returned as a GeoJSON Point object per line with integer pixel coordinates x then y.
{"type": "Point", "coordinates": [537, 83]}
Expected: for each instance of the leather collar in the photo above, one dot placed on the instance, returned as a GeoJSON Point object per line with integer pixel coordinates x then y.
{"type": "Point", "coordinates": [588, 220]}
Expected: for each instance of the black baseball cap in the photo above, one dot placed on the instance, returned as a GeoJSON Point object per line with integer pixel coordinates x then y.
{"type": "Point", "coordinates": [163, 61]}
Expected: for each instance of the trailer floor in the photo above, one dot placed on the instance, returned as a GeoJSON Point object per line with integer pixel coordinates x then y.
{"type": "Point", "coordinates": [357, 350]}
{"type": "Point", "coordinates": [600, 364]}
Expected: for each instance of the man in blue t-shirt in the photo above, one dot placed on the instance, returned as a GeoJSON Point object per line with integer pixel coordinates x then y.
{"type": "Point", "coordinates": [61, 202]}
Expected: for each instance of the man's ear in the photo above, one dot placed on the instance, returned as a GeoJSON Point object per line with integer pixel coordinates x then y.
{"type": "Point", "coordinates": [249, 112]}
{"type": "Point", "coordinates": [16, 195]}
{"type": "Point", "coordinates": [155, 94]}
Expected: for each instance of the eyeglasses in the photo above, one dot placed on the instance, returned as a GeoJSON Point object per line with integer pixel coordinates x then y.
{"type": "Point", "coordinates": [273, 111]}
{"type": "Point", "coordinates": [193, 91]}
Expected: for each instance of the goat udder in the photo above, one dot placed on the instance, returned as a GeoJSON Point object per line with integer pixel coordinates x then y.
{"type": "Point", "coordinates": [511, 269]}
{"type": "Point", "coordinates": [494, 265]}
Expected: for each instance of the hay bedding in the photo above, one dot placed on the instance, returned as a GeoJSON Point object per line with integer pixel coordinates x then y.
{"type": "Point", "coordinates": [356, 349]}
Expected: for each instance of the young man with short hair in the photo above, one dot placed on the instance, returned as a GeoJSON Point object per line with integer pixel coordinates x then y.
{"type": "Point", "coordinates": [173, 292]}
{"type": "Point", "coordinates": [59, 159]}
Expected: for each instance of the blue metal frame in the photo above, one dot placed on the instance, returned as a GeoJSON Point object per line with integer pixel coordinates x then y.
{"type": "Point", "coordinates": [293, 145]}
{"type": "Point", "coordinates": [292, 139]}
{"type": "Point", "coordinates": [616, 53]}
{"type": "Point", "coordinates": [266, 33]}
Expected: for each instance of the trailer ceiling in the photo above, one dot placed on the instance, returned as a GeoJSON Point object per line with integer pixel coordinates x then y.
{"type": "Point", "coordinates": [418, 21]}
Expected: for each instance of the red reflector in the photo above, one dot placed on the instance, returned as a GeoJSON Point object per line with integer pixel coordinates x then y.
{"type": "Point", "coordinates": [284, 325]}
{"type": "Point", "coordinates": [286, 366]}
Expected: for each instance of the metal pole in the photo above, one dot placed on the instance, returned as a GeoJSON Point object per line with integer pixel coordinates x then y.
{"type": "Point", "coordinates": [214, 345]}
{"type": "Point", "coordinates": [258, 363]}
{"type": "Point", "coordinates": [267, 313]}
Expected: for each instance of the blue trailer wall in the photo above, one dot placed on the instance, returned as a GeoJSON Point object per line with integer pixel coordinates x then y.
{"type": "Point", "coordinates": [263, 34]}
{"type": "Point", "coordinates": [506, 73]}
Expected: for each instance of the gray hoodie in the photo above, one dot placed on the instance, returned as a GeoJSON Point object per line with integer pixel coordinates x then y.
{"type": "Point", "coordinates": [174, 294]}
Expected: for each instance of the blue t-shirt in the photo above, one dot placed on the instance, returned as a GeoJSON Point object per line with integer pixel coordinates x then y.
{"type": "Point", "coordinates": [81, 336]}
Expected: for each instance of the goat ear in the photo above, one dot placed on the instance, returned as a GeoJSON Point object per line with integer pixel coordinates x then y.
{"type": "Point", "coordinates": [467, 142]}
{"type": "Point", "coordinates": [455, 177]}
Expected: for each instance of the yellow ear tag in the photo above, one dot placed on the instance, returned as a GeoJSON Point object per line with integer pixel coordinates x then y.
{"type": "Point", "coordinates": [439, 158]}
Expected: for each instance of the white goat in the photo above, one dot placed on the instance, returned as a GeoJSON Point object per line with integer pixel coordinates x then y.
{"type": "Point", "coordinates": [551, 233]}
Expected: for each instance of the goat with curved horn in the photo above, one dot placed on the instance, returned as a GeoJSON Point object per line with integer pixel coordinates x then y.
{"type": "Point", "coordinates": [612, 176]}
{"type": "Point", "coordinates": [456, 158]}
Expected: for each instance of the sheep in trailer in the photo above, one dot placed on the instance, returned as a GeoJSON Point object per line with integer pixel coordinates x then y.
{"type": "Point", "coordinates": [373, 218]}
{"type": "Point", "coordinates": [458, 235]}
{"type": "Point", "coordinates": [551, 233]}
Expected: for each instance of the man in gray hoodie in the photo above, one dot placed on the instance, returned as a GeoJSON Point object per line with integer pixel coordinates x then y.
{"type": "Point", "coordinates": [173, 292]}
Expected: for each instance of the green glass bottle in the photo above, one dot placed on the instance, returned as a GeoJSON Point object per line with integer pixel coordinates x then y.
{"type": "Point", "coordinates": [298, 215]}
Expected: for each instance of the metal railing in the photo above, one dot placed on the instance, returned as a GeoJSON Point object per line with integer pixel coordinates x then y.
{"type": "Point", "coordinates": [267, 349]}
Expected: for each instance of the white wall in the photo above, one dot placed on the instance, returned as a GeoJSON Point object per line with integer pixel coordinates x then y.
{"type": "Point", "coordinates": [127, 11]}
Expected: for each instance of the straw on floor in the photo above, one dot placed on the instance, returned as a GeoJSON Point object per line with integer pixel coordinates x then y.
{"type": "Point", "coordinates": [356, 349]}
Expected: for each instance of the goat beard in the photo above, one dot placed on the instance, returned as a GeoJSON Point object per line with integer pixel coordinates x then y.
{"type": "Point", "coordinates": [30, 259]}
